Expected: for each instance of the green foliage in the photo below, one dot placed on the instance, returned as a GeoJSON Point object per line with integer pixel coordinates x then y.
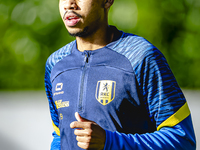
{"type": "Point", "coordinates": [32, 29]}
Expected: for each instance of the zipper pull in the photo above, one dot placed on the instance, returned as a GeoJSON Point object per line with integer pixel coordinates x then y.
{"type": "Point", "coordinates": [87, 55]}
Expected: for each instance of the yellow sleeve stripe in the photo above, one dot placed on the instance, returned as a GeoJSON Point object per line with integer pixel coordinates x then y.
{"type": "Point", "coordinates": [176, 118]}
{"type": "Point", "coordinates": [56, 129]}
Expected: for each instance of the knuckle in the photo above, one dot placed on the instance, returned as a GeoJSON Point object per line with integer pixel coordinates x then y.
{"type": "Point", "coordinates": [89, 138]}
{"type": "Point", "coordinates": [74, 124]}
{"type": "Point", "coordinates": [86, 145]}
{"type": "Point", "coordinates": [89, 132]}
{"type": "Point", "coordinates": [89, 125]}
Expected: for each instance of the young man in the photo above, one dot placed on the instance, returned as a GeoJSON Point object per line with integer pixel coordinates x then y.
{"type": "Point", "coordinates": [118, 85]}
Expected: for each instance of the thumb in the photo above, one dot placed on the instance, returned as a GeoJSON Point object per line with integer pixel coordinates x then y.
{"type": "Point", "coordinates": [79, 118]}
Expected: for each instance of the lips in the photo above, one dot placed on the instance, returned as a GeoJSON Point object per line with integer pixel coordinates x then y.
{"type": "Point", "coordinates": [71, 19]}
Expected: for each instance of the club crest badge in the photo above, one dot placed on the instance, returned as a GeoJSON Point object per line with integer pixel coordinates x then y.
{"type": "Point", "coordinates": [105, 91]}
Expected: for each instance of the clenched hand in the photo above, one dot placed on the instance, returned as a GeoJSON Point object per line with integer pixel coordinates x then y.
{"type": "Point", "coordinates": [88, 134]}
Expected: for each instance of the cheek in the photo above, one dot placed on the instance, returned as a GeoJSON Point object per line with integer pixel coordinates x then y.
{"type": "Point", "coordinates": [92, 10]}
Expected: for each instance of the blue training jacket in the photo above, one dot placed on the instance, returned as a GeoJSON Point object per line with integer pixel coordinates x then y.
{"type": "Point", "coordinates": [127, 88]}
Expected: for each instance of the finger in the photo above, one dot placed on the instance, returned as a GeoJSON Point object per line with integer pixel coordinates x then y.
{"type": "Point", "coordinates": [82, 125]}
{"type": "Point", "coordinates": [84, 139]}
{"type": "Point", "coordinates": [83, 145]}
{"type": "Point", "coordinates": [86, 132]}
{"type": "Point", "coordinates": [79, 118]}
{"type": "Point", "coordinates": [89, 146]}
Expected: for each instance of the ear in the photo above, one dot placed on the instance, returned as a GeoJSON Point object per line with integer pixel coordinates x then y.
{"type": "Point", "coordinates": [108, 3]}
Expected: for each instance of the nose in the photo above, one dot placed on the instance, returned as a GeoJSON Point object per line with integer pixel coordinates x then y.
{"type": "Point", "coordinates": [70, 5]}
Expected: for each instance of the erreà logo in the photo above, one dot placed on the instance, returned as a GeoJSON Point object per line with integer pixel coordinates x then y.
{"type": "Point", "coordinates": [105, 91]}
{"type": "Point", "coordinates": [59, 86]}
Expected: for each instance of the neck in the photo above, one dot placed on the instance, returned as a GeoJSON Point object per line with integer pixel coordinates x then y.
{"type": "Point", "coordinates": [96, 40]}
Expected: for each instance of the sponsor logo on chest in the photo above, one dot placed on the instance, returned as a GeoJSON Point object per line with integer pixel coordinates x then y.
{"type": "Point", "coordinates": [59, 90]}
{"type": "Point", "coordinates": [61, 104]}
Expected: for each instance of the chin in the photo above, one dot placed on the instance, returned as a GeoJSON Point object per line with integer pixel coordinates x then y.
{"type": "Point", "coordinates": [82, 33]}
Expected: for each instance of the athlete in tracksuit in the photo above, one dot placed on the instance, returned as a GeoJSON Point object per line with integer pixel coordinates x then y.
{"type": "Point", "coordinates": [127, 88]}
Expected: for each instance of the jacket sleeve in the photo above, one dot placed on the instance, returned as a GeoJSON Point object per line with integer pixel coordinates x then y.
{"type": "Point", "coordinates": [167, 108]}
{"type": "Point", "coordinates": [55, 145]}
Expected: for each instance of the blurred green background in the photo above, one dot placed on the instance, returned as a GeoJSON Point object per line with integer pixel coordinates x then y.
{"type": "Point", "coordinates": [30, 30]}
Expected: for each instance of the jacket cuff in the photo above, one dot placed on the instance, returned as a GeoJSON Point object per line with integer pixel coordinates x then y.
{"type": "Point", "coordinates": [108, 142]}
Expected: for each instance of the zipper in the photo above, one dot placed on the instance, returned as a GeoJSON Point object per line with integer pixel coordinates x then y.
{"type": "Point", "coordinates": [86, 60]}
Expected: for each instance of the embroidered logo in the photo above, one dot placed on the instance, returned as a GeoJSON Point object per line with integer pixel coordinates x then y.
{"type": "Point", "coordinates": [58, 89]}
{"type": "Point", "coordinates": [61, 104]}
{"type": "Point", "coordinates": [105, 91]}
{"type": "Point", "coordinates": [59, 86]}
{"type": "Point", "coordinates": [61, 116]}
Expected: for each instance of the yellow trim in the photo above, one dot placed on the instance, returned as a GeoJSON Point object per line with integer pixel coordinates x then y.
{"type": "Point", "coordinates": [176, 118]}
{"type": "Point", "coordinates": [57, 130]}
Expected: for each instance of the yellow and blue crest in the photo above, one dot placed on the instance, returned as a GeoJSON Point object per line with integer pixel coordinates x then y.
{"type": "Point", "coordinates": [105, 91]}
